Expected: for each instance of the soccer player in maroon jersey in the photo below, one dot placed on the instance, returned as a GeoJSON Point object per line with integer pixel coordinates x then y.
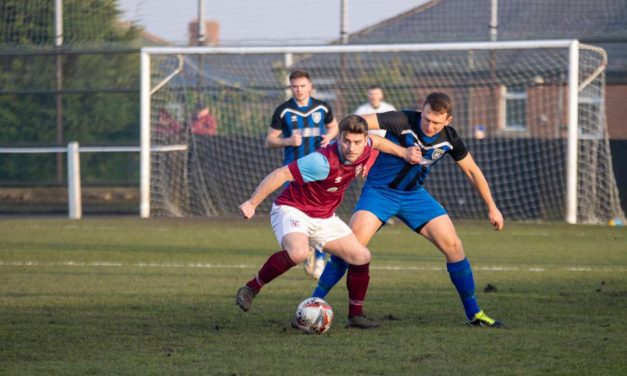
{"type": "Point", "coordinates": [304, 213]}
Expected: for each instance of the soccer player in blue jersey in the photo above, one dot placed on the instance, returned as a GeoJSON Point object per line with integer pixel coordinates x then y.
{"type": "Point", "coordinates": [394, 188]}
{"type": "Point", "coordinates": [301, 125]}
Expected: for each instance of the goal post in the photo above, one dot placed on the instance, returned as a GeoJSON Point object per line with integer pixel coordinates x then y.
{"type": "Point", "coordinates": [531, 112]}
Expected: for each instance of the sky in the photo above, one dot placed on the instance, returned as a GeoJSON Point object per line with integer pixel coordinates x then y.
{"type": "Point", "coordinates": [261, 21]}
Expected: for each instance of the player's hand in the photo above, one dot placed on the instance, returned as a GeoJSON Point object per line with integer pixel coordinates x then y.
{"type": "Point", "coordinates": [296, 139]}
{"type": "Point", "coordinates": [496, 219]}
{"type": "Point", "coordinates": [247, 209]}
{"type": "Point", "coordinates": [325, 140]}
{"type": "Point", "coordinates": [413, 155]}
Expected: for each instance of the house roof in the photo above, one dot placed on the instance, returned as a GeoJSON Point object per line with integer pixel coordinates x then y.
{"type": "Point", "coordinates": [469, 20]}
{"type": "Point", "coordinates": [599, 22]}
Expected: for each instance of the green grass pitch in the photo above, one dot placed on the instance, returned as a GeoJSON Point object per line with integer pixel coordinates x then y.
{"type": "Point", "coordinates": [124, 296]}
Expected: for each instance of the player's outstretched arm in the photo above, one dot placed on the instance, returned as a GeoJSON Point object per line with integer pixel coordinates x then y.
{"type": "Point", "coordinates": [412, 154]}
{"type": "Point", "coordinates": [372, 120]}
{"type": "Point", "coordinates": [478, 180]}
{"type": "Point", "coordinates": [269, 184]}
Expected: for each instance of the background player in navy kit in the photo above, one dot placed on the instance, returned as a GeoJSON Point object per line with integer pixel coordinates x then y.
{"type": "Point", "coordinates": [304, 212]}
{"type": "Point", "coordinates": [394, 188]}
{"type": "Point", "coordinates": [301, 125]}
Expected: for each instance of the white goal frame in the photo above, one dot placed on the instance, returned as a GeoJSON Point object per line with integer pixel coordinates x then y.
{"type": "Point", "coordinates": [573, 93]}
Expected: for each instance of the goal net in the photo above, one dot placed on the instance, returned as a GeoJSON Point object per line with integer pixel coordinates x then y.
{"type": "Point", "coordinates": [531, 113]}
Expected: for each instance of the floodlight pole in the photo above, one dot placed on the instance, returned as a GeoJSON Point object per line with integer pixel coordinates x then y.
{"type": "Point", "coordinates": [494, 20]}
{"type": "Point", "coordinates": [201, 23]}
{"type": "Point", "coordinates": [344, 22]}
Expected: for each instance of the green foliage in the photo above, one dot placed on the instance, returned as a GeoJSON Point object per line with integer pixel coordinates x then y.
{"type": "Point", "coordinates": [100, 104]}
{"type": "Point", "coordinates": [130, 296]}
{"type": "Point", "coordinates": [85, 22]}
{"type": "Point", "coordinates": [27, 22]}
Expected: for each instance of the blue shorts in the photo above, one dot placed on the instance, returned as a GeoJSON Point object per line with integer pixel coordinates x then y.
{"type": "Point", "coordinates": [414, 208]}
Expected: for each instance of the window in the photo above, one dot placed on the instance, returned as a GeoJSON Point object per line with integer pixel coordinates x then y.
{"type": "Point", "coordinates": [513, 108]}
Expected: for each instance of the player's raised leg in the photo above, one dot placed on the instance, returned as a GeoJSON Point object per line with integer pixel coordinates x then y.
{"type": "Point", "coordinates": [319, 263]}
{"type": "Point", "coordinates": [295, 251]}
{"type": "Point", "coordinates": [441, 232]}
{"type": "Point", "coordinates": [315, 263]}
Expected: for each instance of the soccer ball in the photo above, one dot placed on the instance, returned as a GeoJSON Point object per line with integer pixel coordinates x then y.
{"type": "Point", "coordinates": [314, 316]}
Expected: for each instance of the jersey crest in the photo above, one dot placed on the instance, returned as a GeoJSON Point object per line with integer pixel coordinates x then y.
{"type": "Point", "coordinates": [316, 117]}
{"type": "Point", "coordinates": [437, 154]}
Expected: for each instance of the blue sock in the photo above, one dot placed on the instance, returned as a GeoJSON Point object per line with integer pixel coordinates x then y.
{"type": "Point", "coordinates": [333, 272]}
{"type": "Point", "coordinates": [320, 254]}
{"type": "Point", "coordinates": [461, 276]}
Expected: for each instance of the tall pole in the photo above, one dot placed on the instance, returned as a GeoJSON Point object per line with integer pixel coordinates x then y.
{"type": "Point", "coordinates": [344, 22]}
{"type": "Point", "coordinates": [200, 41]}
{"type": "Point", "coordinates": [58, 42]}
{"type": "Point", "coordinates": [201, 23]}
{"type": "Point", "coordinates": [343, 40]}
{"type": "Point", "coordinates": [494, 20]}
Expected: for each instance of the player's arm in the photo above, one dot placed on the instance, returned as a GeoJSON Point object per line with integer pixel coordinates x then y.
{"type": "Point", "coordinates": [392, 121]}
{"type": "Point", "coordinates": [332, 132]}
{"type": "Point", "coordinates": [478, 180]}
{"type": "Point", "coordinates": [269, 184]}
{"type": "Point", "coordinates": [275, 139]}
{"type": "Point", "coordinates": [411, 154]}
{"type": "Point", "coordinates": [372, 120]}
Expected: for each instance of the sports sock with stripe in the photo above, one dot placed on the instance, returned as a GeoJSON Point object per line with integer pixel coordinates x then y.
{"type": "Point", "coordinates": [357, 283]}
{"type": "Point", "coordinates": [276, 265]}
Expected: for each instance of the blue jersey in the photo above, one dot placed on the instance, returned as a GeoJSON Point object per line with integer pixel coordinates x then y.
{"type": "Point", "coordinates": [310, 120]}
{"type": "Point", "coordinates": [403, 128]}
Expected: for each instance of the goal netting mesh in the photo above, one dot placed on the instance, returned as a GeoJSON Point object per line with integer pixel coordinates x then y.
{"type": "Point", "coordinates": [511, 109]}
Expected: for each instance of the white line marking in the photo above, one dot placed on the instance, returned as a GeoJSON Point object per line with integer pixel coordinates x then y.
{"type": "Point", "coordinates": [495, 268]}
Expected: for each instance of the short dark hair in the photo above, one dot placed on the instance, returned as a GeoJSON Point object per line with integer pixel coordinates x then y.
{"type": "Point", "coordinates": [374, 87]}
{"type": "Point", "coordinates": [440, 103]}
{"type": "Point", "coordinates": [354, 124]}
{"type": "Point", "coordinates": [299, 74]}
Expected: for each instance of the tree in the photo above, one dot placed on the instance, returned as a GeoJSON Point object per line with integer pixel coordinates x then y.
{"type": "Point", "coordinates": [100, 90]}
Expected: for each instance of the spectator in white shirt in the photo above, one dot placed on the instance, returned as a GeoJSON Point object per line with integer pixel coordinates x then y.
{"type": "Point", "coordinates": [375, 102]}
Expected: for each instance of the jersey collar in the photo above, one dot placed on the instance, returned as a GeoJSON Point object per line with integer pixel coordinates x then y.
{"type": "Point", "coordinates": [299, 106]}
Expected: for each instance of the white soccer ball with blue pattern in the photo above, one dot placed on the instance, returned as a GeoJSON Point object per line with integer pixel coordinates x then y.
{"type": "Point", "coordinates": [314, 316]}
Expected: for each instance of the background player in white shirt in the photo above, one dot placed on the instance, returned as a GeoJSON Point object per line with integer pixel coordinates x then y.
{"type": "Point", "coordinates": [375, 103]}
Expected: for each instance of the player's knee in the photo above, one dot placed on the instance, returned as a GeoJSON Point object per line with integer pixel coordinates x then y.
{"type": "Point", "coordinates": [453, 248]}
{"type": "Point", "coordinates": [298, 254]}
{"type": "Point", "coordinates": [361, 256]}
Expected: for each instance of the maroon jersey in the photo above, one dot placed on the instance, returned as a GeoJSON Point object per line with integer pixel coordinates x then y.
{"type": "Point", "coordinates": [320, 198]}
